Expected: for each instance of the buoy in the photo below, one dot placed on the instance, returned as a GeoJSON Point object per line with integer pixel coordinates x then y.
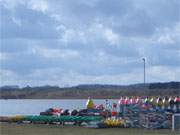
{"type": "Point", "coordinates": [89, 103]}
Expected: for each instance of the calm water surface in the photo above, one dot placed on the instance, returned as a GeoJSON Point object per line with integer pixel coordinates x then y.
{"type": "Point", "coordinates": [34, 107]}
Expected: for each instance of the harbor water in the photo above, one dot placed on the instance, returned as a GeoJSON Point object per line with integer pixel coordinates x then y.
{"type": "Point", "coordinates": [12, 107]}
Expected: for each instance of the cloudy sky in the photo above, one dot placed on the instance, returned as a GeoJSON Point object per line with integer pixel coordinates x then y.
{"type": "Point", "coordinates": [70, 42]}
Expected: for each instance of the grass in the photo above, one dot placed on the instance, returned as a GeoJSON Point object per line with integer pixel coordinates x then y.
{"type": "Point", "coordinates": [40, 129]}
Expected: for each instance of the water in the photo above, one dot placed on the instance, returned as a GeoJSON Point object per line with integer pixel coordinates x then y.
{"type": "Point", "coordinates": [13, 107]}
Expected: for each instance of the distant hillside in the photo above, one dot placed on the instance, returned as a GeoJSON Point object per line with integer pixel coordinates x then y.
{"type": "Point", "coordinates": [94, 91]}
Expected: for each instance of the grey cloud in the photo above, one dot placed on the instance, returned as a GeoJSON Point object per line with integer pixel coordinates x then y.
{"type": "Point", "coordinates": [131, 20]}
{"type": "Point", "coordinates": [27, 23]}
{"type": "Point", "coordinates": [163, 12]}
{"type": "Point", "coordinates": [13, 45]}
{"type": "Point", "coordinates": [134, 22]}
{"type": "Point", "coordinates": [164, 57]}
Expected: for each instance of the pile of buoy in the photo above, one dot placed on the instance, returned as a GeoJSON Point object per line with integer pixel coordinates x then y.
{"type": "Point", "coordinates": [114, 122]}
{"type": "Point", "coordinates": [132, 112]}
{"type": "Point", "coordinates": [50, 119]}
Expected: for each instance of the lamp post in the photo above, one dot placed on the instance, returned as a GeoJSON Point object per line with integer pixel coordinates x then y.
{"type": "Point", "coordinates": [144, 60]}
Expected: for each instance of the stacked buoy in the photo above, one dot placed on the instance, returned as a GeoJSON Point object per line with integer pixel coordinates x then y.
{"type": "Point", "coordinates": [114, 122]}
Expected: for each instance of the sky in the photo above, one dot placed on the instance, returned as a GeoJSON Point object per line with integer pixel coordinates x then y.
{"type": "Point", "coordinates": [72, 42]}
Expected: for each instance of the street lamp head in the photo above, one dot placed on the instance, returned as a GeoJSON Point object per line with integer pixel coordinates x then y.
{"type": "Point", "coordinates": [143, 59]}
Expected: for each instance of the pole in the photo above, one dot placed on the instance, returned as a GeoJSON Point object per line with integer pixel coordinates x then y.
{"type": "Point", "coordinates": [144, 60]}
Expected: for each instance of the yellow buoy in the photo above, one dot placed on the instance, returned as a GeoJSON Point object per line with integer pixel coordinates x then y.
{"type": "Point", "coordinates": [17, 118]}
{"type": "Point", "coordinates": [90, 104]}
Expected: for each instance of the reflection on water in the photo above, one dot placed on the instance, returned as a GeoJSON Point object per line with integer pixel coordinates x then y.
{"type": "Point", "coordinates": [33, 107]}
